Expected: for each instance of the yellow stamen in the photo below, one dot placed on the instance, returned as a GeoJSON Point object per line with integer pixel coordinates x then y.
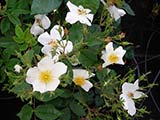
{"type": "Point", "coordinates": [45, 76]}
{"type": "Point", "coordinates": [113, 58]}
{"type": "Point", "coordinates": [130, 95]}
{"type": "Point", "coordinates": [79, 81]}
{"type": "Point", "coordinates": [81, 12]}
{"type": "Point", "coordinates": [54, 43]}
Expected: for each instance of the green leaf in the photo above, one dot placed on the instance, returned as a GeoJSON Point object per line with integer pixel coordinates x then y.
{"type": "Point", "coordinates": [128, 8]}
{"type": "Point", "coordinates": [90, 4]}
{"type": "Point", "coordinates": [27, 58]}
{"type": "Point", "coordinates": [23, 47]}
{"type": "Point", "coordinates": [14, 19]}
{"type": "Point", "coordinates": [19, 31]}
{"type": "Point", "coordinates": [77, 108]}
{"type": "Point", "coordinates": [29, 38]}
{"type": "Point", "coordinates": [98, 101]}
{"type": "Point", "coordinates": [76, 33]}
{"type": "Point", "coordinates": [21, 88]}
{"type": "Point", "coordinates": [84, 97]}
{"type": "Point", "coordinates": [47, 112]}
{"type": "Point", "coordinates": [130, 52]}
{"type": "Point", "coordinates": [25, 113]}
{"type": "Point", "coordinates": [11, 3]}
{"type": "Point", "coordinates": [8, 52]}
{"type": "Point", "coordinates": [44, 6]}
{"type": "Point", "coordinates": [11, 63]}
{"type": "Point", "coordinates": [66, 114]}
{"type": "Point", "coordinates": [87, 57]}
{"type": "Point", "coordinates": [20, 11]}
{"type": "Point", "coordinates": [45, 97]}
{"type": "Point", "coordinates": [5, 25]}
{"type": "Point", "coordinates": [5, 42]}
{"type": "Point", "coordinates": [102, 74]}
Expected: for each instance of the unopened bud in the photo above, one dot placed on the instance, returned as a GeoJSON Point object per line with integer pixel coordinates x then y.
{"type": "Point", "coordinates": [122, 35]}
{"type": "Point", "coordinates": [100, 68]}
{"type": "Point", "coordinates": [108, 39]}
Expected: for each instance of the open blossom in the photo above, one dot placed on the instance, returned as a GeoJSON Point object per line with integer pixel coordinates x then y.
{"type": "Point", "coordinates": [53, 42]}
{"type": "Point", "coordinates": [41, 22]}
{"type": "Point", "coordinates": [129, 92]}
{"type": "Point", "coordinates": [111, 56]}
{"type": "Point", "coordinates": [78, 14]}
{"type": "Point", "coordinates": [17, 68]}
{"type": "Point", "coordinates": [80, 77]}
{"type": "Point", "coordinates": [115, 12]}
{"type": "Point", "coordinates": [45, 76]}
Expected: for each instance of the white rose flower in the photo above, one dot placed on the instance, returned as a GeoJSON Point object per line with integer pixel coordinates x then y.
{"type": "Point", "coordinates": [45, 77]}
{"type": "Point", "coordinates": [41, 22]}
{"type": "Point", "coordinates": [111, 56]}
{"type": "Point", "coordinates": [115, 12]}
{"type": "Point", "coordinates": [78, 14]}
{"type": "Point", "coordinates": [80, 77]}
{"type": "Point", "coordinates": [53, 42]}
{"type": "Point", "coordinates": [129, 92]}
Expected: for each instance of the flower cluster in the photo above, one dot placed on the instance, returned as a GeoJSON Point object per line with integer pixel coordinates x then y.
{"type": "Point", "coordinates": [70, 58]}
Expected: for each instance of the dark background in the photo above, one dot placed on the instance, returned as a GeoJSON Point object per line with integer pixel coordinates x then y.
{"type": "Point", "coordinates": [144, 31]}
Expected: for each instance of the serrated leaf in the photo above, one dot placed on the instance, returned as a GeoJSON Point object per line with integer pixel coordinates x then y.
{"type": "Point", "coordinates": [66, 114]}
{"type": "Point", "coordinates": [19, 31]}
{"type": "Point", "coordinates": [5, 25]}
{"type": "Point", "coordinates": [14, 19]}
{"type": "Point", "coordinates": [77, 108]}
{"type": "Point", "coordinates": [11, 3]}
{"type": "Point", "coordinates": [25, 113]}
{"type": "Point", "coordinates": [102, 74]}
{"type": "Point", "coordinates": [45, 97]}
{"type": "Point", "coordinates": [76, 33]}
{"type": "Point", "coordinates": [21, 88]}
{"type": "Point", "coordinates": [47, 112]}
{"type": "Point", "coordinates": [20, 11]}
{"type": "Point", "coordinates": [5, 42]}
{"type": "Point", "coordinates": [44, 6]}
{"type": "Point", "coordinates": [87, 57]}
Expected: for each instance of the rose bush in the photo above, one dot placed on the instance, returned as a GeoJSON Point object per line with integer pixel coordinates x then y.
{"type": "Point", "coordinates": [69, 60]}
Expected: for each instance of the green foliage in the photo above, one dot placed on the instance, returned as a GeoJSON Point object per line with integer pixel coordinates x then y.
{"type": "Point", "coordinates": [68, 101]}
{"type": "Point", "coordinates": [44, 6]}
{"type": "Point", "coordinates": [77, 108]}
{"type": "Point", "coordinates": [47, 112]}
{"type": "Point", "coordinates": [76, 33]}
{"type": "Point", "coordinates": [25, 113]}
{"type": "Point", "coordinates": [87, 57]}
{"type": "Point", "coordinates": [48, 96]}
{"type": "Point", "coordinates": [128, 8]}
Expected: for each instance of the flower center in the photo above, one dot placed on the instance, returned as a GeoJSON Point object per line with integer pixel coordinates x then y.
{"type": "Point", "coordinates": [45, 76]}
{"type": "Point", "coordinates": [113, 58]}
{"type": "Point", "coordinates": [130, 95]}
{"type": "Point", "coordinates": [79, 81]}
{"type": "Point", "coordinates": [81, 12]}
{"type": "Point", "coordinates": [38, 21]}
{"type": "Point", "coordinates": [54, 43]}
